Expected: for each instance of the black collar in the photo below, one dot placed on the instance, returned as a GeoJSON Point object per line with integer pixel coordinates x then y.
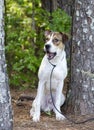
{"type": "Point", "coordinates": [52, 64]}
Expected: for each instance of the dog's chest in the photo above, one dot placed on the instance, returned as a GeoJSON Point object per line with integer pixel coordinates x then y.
{"type": "Point", "coordinates": [45, 71]}
{"type": "Point", "coordinates": [45, 74]}
{"type": "Point", "coordinates": [51, 79]}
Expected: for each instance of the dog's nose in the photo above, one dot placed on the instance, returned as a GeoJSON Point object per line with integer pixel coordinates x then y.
{"type": "Point", "coordinates": [47, 46]}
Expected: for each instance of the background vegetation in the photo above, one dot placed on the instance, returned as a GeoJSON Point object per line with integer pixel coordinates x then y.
{"type": "Point", "coordinates": [26, 21]}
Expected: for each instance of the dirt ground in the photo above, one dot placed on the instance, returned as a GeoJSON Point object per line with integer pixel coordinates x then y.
{"type": "Point", "coordinates": [22, 120]}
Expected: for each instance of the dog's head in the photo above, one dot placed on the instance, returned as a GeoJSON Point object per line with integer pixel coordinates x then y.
{"type": "Point", "coordinates": [54, 43]}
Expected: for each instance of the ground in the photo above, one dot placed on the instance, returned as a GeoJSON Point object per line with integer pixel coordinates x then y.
{"type": "Point", "coordinates": [22, 120]}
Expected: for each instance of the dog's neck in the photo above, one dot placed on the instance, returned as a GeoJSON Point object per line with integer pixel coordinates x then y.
{"type": "Point", "coordinates": [54, 62]}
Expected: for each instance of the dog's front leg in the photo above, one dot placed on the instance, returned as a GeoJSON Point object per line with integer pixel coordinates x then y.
{"type": "Point", "coordinates": [36, 106]}
{"type": "Point", "coordinates": [59, 101]}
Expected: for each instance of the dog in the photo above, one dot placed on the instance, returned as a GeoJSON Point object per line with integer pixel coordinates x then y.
{"type": "Point", "coordinates": [55, 56]}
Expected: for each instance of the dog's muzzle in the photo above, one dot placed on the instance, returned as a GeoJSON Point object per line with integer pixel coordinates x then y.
{"type": "Point", "coordinates": [50, 55]}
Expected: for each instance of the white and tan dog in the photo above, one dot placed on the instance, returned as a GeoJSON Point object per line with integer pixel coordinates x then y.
{"type": "Point", "coordinates": [55, 55]}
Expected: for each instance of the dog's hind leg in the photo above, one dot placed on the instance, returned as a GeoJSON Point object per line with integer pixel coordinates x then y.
{"type": "Point", "coordinates": [60, 98]}
{"type": "Point", "coordinates": [47, 104]}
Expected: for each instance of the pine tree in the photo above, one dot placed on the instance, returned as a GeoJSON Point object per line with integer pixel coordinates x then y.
{"type": "Point", "coordinates": [82, 64]}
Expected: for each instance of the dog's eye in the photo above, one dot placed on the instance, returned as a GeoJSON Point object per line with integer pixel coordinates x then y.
{"type": "Point", "coordinates": [47, 39]}
{"type": "Point", "coordinates": [55, 40]}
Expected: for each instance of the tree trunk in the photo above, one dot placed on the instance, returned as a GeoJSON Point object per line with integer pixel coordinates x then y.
{"type": "Point", "coordinates": [81, 99]}
{"type": "Point", "coordinates": [5, 101]}
{"type": "Point", "coordinates": [52, 5]}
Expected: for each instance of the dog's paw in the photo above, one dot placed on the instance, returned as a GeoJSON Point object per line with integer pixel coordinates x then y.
{"type": "Point", "coordinates": [60, 117]}
{"type": "Point", "coordinates": [36, 118]}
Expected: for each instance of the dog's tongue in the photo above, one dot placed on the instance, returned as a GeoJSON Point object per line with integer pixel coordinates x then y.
{"type": "Point", "coordinates": [50, 55]}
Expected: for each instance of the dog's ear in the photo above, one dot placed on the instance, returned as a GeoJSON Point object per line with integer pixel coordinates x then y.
{"type": "Point", "coordinates": [65, 37]}
{"type": "Point", "coordinates": [47, 32]}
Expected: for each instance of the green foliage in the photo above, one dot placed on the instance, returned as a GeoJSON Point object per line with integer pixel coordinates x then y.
{"type": "Point", "coordinates": [61, 21]}
{"type": "Point", "coordinates": [25, 24]}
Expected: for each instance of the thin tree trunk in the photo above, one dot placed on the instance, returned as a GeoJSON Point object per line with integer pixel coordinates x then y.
{"type": "Point", "coordinates": [81, 99]}
{"type": "Point", "coordinates": [5, 100]}
{"type": "Point", "coordinates": [49, 5]}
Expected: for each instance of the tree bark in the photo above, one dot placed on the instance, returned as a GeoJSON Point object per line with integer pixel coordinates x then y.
{"type": "Point", "coordinates": [5, 100]}
{"type": "Point", "coordinates": [81, 97]}
{"type": "Point", "coordinates": [47, 5]}
{"type": "Point", "coordinates": [51, 5]}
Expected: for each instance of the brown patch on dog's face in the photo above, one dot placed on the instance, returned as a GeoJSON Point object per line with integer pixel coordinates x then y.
{"type": "Point", "coordinates": [57, 40]}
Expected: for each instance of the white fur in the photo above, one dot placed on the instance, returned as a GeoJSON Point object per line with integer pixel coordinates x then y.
{"type": "Point", "coordinates": [43, 99]}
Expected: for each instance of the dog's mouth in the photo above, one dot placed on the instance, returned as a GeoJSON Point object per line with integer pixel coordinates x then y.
{"type": "Point", "coordinates": [51, 55]}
